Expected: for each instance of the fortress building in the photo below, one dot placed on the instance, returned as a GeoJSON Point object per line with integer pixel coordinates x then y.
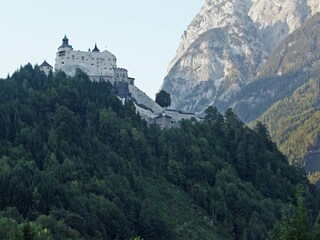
{"type": "Point", "coordinates": [103, 66]}
{"type": "Point", "coordinates": [46, 67]}
{"type": "Point", "coordinates": [97, 65]}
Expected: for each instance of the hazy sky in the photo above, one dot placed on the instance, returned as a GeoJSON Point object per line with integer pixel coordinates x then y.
{"type": "Point", "coordinates": [143, 34]}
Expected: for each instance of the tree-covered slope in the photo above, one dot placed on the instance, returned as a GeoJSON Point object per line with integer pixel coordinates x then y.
{"type": "Point", "coordinates": [75, 163]}
{"type": "Point", "coordinates": [285, 96]}
{"type": "Point", "coordinates": [294, 121]}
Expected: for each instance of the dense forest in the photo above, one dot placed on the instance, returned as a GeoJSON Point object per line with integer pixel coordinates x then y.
{"type": "Point", "coordinates": [77, 163]}
{"type": "Point", "coordinates": [294, 121]}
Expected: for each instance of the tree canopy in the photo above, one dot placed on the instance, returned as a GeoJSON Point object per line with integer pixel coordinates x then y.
{"type": "Point", "coordinates": [77, 163]}
{"type": "Point", "coordinates": [163, 98]}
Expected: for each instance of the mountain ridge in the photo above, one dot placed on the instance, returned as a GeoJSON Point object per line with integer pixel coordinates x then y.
{"type": "Point", "coordinates": [264, 24]}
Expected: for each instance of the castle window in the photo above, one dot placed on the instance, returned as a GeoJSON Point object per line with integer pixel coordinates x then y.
{"type": "Point", "coordinates": [62, 62]}
{"type": "Point", "coordinates": [62, 53]}
{"type": "Point", "coordinates": [82, 58]}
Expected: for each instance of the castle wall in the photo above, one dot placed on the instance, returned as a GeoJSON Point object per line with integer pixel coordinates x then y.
{"type": "Point", "coordinates": [177, 116]}
{"type": "Point", "coordinates": [99, 66]}
{"type": "Point", "coordinates": [121, 74]}
{"type": "Point", "coordinates": [46, 70]}
{"type": "Point", "coordinates": [97, 78]}
{"type": "Point", "coordinates": [144, 99]}
{"type": "Point", "coordinates": [92, 63]}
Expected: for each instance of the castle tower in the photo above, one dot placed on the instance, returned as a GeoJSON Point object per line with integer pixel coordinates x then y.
{"type": "Point", "coordinates": [65, 44]}
{"type": "Point", "coordinates": [96, 49]}
{"type": "Point", "coordinates": [46, 67]}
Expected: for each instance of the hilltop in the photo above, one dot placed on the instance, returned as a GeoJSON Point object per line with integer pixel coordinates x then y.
{"type": "Point", "coordinates": [78, 163]}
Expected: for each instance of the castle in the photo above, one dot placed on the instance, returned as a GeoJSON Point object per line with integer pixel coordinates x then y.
{"type": "Point", "coordinates": [103, 66]}
{"type": "Point", "coordinates": [96, 64]}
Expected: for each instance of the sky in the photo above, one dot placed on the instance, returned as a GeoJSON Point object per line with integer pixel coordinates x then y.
{"type": "Point", "coordinates": [143, 34]}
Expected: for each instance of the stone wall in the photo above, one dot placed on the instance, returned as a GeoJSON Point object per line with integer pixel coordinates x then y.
{"type": "Point", "coordinates": [177, 116]}
{"type": "Point", "coordinates": [92, 63]}
{"type": "Point", "coordinates": [143, 99]}
{"type": "Point", "coordinates": [46, 69]}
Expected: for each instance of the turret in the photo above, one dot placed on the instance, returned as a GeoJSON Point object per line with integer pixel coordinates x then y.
{"type": "Point", "coordinates": [95, 48]}
{"type": "Point", "coordinates": [46, 67]}
{"type": "Point", "coordinates": [65, 44]}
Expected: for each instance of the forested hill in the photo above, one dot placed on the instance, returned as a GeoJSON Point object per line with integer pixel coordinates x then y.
{"type": "Point", "coordinates": [294, 122]}
{"type": "Point", "coordinates": [75, 163]}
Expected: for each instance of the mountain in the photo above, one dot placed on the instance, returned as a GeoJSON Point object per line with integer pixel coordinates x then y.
{"type": "Point", "coordinates": [219, 51]}
{"type": "Point", "coordinates": [257, 68]}
{"type": "Point", "coordinates": [291, 65]}
{"type": "Point", "coordinates": [275, 19]}
{"type": "Point", "coordinates": [78, 163]}
{"type": "Point", "coordinates": [285, 96]}
{"type": "Point", "coordinates": [225, 47]}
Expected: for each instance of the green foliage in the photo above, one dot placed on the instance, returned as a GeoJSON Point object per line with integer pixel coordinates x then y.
{"type": "Point", "coordinates": [295, 222]}
{"type": "Point", "coordinates": [28, 232]}
{"type": "Point", "coordinates": [8, 228]}
{"type": "Point", "coordinates": [163, 98]}
{"type": "Point", "coordinates": [285, 95]}
{"type": "Point", "coordinates": [294, 122]}
{"type": "Point", "coordinates": [77, 164]}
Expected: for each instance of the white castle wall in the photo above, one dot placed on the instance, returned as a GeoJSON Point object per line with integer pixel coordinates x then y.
{"type": "Point", "coordinates": [92, 63]}
{"type": "Point", "coordinates": [144, 99]}
{"type": "Point", "coordinates": [46, 69]}
{"type": "Point", "coordinates": [177, 116]}
{"type": "Point", "coordinates": [97, 65]}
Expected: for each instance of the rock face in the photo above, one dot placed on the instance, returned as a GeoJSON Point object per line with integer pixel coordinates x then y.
{"type": "Point", "coordinates": [226, 45]}
{"type": "Point", "coordinates": [289, 66]}
{"type": "Point", "coordinates": [276, 19]}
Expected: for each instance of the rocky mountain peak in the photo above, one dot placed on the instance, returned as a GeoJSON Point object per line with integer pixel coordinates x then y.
{"type": "Point", "coordinates": [226, 45]}
{"type": "Point", "coordinates": [314, 6]}
{"type": "Point", "coordinates": [213, 14]}
{"type": "Point", "coordinates": [275, 19]}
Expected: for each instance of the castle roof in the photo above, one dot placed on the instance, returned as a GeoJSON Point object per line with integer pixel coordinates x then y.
{"type": "Point", "coordinates": [45, 64]}
{"type": "Point", "coordinates": [65, 43]}
{"type": "Point", "coordinates": [96, 49]}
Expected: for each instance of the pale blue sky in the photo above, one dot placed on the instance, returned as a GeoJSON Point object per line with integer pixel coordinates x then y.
{"type": "Point", "coordinates": [143, 34]}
